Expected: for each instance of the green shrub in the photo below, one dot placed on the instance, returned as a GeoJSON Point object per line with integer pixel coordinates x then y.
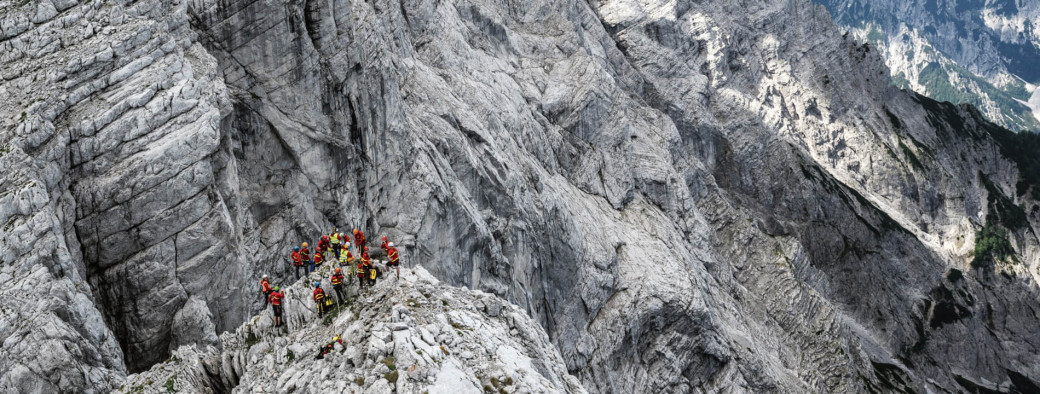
{"type": "Point", "coordinates": [991, 245]}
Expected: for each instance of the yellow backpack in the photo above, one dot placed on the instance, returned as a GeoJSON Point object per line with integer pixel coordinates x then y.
{"type": "Point", "coordinates": [372, 273]}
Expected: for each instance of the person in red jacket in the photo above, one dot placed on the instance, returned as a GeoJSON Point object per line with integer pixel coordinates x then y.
{"type": "Point", "coordinates": [362, 272]}
{"type": "Point", "coordinates": [275, 298]}
{"type": "Point", "coordinates": [319, 298]}
{"type": "Point", "coordinates": [265, 288]}
{"type": "Point", "coordinates": [394, 259]}
{"type": "Point", "coordinates": [359, 239]}
{"type": "Point", "coordinates": [385, 244]}
{"type": "Point", "coordinates": [319, 259]}
{"type": "Point", "coordinates": [305, 254]}
{"type": "Point", "coordinates": [323, 244]}
{"type": "Point", "coordinates": [337, 284]}
{"type": "Point", "coordinates": [297, 261]}
{"type": "Point", "coordinates": [370, 269]}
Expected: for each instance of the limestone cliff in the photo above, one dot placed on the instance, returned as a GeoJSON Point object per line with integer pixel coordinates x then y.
{"type": "Point", "coordinates": [689, 196]}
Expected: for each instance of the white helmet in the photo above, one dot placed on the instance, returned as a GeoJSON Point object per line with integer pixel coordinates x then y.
{"type": "Point", "coordinates": [265, 276]}
{"type": "Point", "coordinates": [390, 244]}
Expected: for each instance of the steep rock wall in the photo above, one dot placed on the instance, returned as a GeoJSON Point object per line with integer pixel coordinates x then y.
{"type": "Point", "coordinates": [688, 196]}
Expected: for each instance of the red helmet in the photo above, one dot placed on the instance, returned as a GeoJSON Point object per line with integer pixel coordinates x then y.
{"type": "Point", "coordinates": [338, 270]}
{"type": "Point", "coordinates": [384, 238]}
{"type": "Point", "coordinates": [366, 248]}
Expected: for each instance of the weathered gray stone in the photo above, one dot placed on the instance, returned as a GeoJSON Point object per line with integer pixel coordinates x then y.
{"type": "Point", "coordinates": [686, 196]}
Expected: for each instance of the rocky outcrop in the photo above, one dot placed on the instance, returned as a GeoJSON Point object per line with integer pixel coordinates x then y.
{"type": "Point", "coordinates": [413, 335]}
{"type": "Point", "coordinates": [687, 196]}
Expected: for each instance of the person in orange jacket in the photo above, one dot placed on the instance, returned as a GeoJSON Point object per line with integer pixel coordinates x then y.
{"type": "Point", "coordinates": [394, 259]}
{"type": "Point", "coordinates": [265, 288]}
{"type": "Point", "coordinates": [275, 298]}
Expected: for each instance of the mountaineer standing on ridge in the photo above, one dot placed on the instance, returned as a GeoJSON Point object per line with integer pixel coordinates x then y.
{"type": "Point", "coordinates": [323, 245]}
{"type": "Point", "coordinates": [359, 239]}
{"type": "Point", "coordinates": [335, 243]}
{"type": "Point", "coordinates": [297, 261]}
{"type": "Point", "coordinates": [337, 285]}
{"type": "Point", "coordinates": [345, 257]}
{"type": "Point", "coordinates": [319, 298]}
{"type": "Point", "coordinates": [305, 255]}
{"type": "Point", "coordinates": [370, 269]}
{"type": "Point", "coordinates": [275, 298]}
{"type": "Point", "coordinates": [265, 288]}
{"type": "Point", "coordinates": [394, 259]}
{"type": "Point", "coordinates": [362, 272]}
{"type": "Point", "coordinates": [319, 259]}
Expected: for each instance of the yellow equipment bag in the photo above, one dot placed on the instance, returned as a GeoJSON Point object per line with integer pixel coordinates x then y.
{"type": "Point", "coordinates": [372, 273]}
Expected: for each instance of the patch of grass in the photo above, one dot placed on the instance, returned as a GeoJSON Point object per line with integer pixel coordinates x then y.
{"type": "Point", "coordinates": [169, 384]}
{"type": "Point", "coordinates": [360, 380]}
{"type": "Point", "coordinates": [444, 302]}
{"type": "Point", "coordinates": [389, 362]}
{"type": "Point", "coordinates": [251, 338]}
{"type": "Point", "coordinates": [391, 377]}
{"type": "Point", "coordinates": [289, 355]}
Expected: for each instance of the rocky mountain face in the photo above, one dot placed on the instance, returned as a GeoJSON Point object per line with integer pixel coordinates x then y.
{"type": "Point", "coordinates": [982, 52]}
{"type": "Point", "coordinates": [687, 196]}
{"type": "Point", "coordinates": [415, 335]}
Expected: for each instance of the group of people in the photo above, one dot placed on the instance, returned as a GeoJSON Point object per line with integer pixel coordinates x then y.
{"type": "Point", "coordinates": [335, 247]}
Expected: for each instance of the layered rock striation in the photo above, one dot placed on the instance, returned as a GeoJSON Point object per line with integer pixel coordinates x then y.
{"type": "Point", "coordinates": [687, 196]}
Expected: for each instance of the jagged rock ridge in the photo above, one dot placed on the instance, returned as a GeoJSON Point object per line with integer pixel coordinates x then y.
{"type": "Point", "coordinates": [412, 335]}
{"type": "Point", "coordinates": [687, 196]}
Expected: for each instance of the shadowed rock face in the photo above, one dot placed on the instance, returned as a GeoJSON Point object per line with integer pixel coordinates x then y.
{"type": "Point", "coordinates": [688, 196]}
